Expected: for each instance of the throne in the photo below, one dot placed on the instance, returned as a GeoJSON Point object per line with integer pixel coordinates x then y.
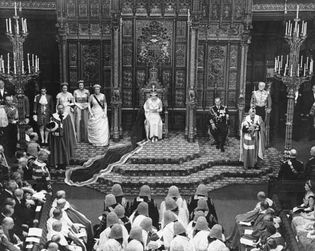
{"type": "Point", "coordinates": [154, 85]}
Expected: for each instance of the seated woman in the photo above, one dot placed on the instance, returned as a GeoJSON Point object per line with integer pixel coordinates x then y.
{"type": "Point", "coordinates": [308, 193]}
{"type": "Point", "coordinates": [302, 220]}
{"type": "Point", "coordinates": [153, 122]}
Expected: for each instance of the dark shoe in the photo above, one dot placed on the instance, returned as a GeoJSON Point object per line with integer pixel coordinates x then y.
{"type": "Point", "coordinates": [218, 147]}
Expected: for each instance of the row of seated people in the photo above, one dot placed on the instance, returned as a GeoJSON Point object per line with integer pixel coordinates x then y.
{"type": "Point", "coordinates": [303, 218]}
{"type": "Point", "coordinates": [258, 229]}
{"type": "Point", "coordinates": [294, 169]}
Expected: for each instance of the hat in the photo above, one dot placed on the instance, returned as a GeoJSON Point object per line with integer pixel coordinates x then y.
{"type": "Point", "coordinates": [202, 190]}
{"type": "Point", "coordinates": [119, 211]}
{"type": "Point", "coordinates": [198, 214]}
{"type": "Point", "coordinates": [52, 126]}
{"type": "Point", "coordinates": [145, 190]}
{"type": "Point", "coordinates": [117, 190]}
{"type": "Point", "coordinates": [173, 192]}
{"type": "Point", "coordinates": [170, 204]}
{"type": "Point", "coordinates": [111, 219]}
{"type": "Point", "coordinates": [116, 232]}
{"type": "Point", "coordinates": [202, 205]}
{"type": "Point", "coordinates": [169, 217]}
{"type": "Point", "coordinates": [136, 234]}
{"type": "Point", "coordinates": [179, 228]}
{"type": "Point", "coordinates": [110, 200]}
{"type": "Point", "coordinates": [143, 208]}
{"type": "Point", "coordinates": [134, 245]}
{"type": "Point", "coordinates": [96, 86]}
{"type": "Point", "coordinates": [312, 152]}
{"type": "Point", "coordinates": [216, 232]}
{"type": "Point", "coordinates": [146, 224]}
{"type": "Point", "coordinates": [201, 223]}
{"type": "Point", "coordinates": [64, 84]}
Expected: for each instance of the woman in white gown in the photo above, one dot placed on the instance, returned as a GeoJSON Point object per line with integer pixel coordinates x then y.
{"type": "Point", "coordinates": [98, 132]}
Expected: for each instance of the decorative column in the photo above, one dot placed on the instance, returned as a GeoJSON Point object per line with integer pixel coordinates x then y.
{"type": "Point", "coordinates": [191, 100]}
{"type": "Point", "coordinates": [116, 97]}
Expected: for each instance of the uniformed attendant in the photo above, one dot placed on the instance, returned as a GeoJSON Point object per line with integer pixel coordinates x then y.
{"type": "Point", "coordinates": [261, 100]}
{"type": "Point", "coordinates": [219, 119]}
{"type": "Point", "coordinates": [310, 165]}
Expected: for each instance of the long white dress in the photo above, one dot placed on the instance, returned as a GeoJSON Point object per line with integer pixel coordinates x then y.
{"type": "Point", "coordinates": [153, 122]}
{"type": "Point", "coordinates": [98, 132]}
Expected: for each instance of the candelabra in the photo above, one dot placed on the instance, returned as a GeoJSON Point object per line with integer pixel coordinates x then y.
{"type": "Point", "coordinates": [16, 72]}
{"type": "Point", "coordinates": [294, 72]}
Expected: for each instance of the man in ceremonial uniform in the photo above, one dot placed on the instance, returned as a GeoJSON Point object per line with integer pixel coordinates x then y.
{"type": "Point", "coordinates": [261, 100]}
{"type": "Point", "coordinates": [252, 139]}
{"type": "Point", "coordinates": [61, 139]}
{"type": "Point", "coordinates": [219, 119]}
{"type": "Point", "coordinates": [310, 165]}
{"type": "Point", "coordinates": [43, 108]}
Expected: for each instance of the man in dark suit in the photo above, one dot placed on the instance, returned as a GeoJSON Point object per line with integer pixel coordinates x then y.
{"type": "Point", "coordinates": [43, 109]}
{"type": "Point", "coordinates": [219, 119]}
{"type": "Point", "coordinates": [3, 117]}
{"type": "Point", "coordinates": [8, 192]}
{"type": "Point", "coordinates": [291, 169]}
{"type": "Point", "coordinates": [310, 165]}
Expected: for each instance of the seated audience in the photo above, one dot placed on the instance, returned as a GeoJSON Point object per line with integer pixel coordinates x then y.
{"type": "Point", "coordinates": [200, 234]}
{"type": "Point", "coordinates": [291, 169]}
{"type": "Point", "coordinates": [181, 240]}
{"type": "Point", "coordinates": [120, 212]}
{"type": "Point", "coordinates": [119, 196]}
{"type": "Point", "coordinates": [136, 237]}
{"type": "Point", "coordinates": [141, 213]}
{"type": "Point", "coordinates": [9, 240]}
{"type": "Point", "coordinates": [151, 239]}
{"type": "Point", "coordinates": [216, 239]}
{"type": "Point", "coordinates": [115, 242]}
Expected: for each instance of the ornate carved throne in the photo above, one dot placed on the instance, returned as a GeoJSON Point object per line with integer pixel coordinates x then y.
{"type": "Point", "coordinates": [154, 84]}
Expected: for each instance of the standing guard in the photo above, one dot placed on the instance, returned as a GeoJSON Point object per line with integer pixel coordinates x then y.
{"type": "Point", "coordinates": [219, 120]}
{"type": "Point", "coordinates": [261, 100]}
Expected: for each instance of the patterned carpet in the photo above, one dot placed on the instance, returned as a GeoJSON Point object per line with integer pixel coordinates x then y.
{"type": "Point", "coordinates": [175, 161]}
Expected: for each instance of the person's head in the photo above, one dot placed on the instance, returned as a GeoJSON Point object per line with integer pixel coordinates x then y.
{"type": "Point", "coordinates": [1, 84]}
{"type": "Point", "coordinates": [57, 213]}
{"type": "Point", "coordinates": [19, 193]}
{"type": "Point", "coordinates": [261, 86]}
{"type": "Point", "coordinates": [252, 112]}
{"type": "Point", "coordinates": [17, 177]}
{"type": "Point", "coordinates": [43, 91]}
{"type": "Point", "coordinates": [61, 203]}
{"type": "Point", "coordinates": [264, 205]}
{"type": "Point", "coordinates": [52, 246]}
{"type": "Point", "coordinates": [97, 89]}
{"type": "Point", "coordinates": [20, 154]}
{"type": "Point", "coordinates": [173, 192]}
{"type": "Point", "coordinates": [313, 88]}
{"type": "Point", "coordinates": [81, 84]}
{"type": "Point", "coordinates": [11, 185]}
{"type": "Point", "coordinates": [34, 136]}
{"type": "Point", "coordinates": [145, 191]}
{"type": "Point", "coordinates": [293, 153]}
{"type": "Point", "coordinates": [312, 151]}
{"type": "Point", "coordinates": [9, 201]}
{"type": "Point", "coordinates": [60, 109]}
{"type": "Point", "coordinates": [261, 196]}
{"type": "Point", "coordinates": [64, 87]}
{"type": "Point", "coordinates": [61, 194]}
{"type": "Point", "coordinates": [28, 130]}
{"type": "Point", "coordinates": [43, 155]}
{"type": "Point", "coordinates": [311, 201]}
{"type": "Point", "coordinates": [7, 210]}
{"type": "Point", "coordinates": [217, 101]}
{"type": "Point", "coordinates": [56, 226]}
{"type": "Point", "coordinates": [7, 223]}
{"type": "Point", "coordinates": [143, 209]}
{"type": "Point", "coordinates": [9, 100]}
{"type": "Point", "coordinates": [110, 200]}
{"type": "Point", "coordinates": [117, 190]}
{"type": "Point", "coordinates": [308, 186]}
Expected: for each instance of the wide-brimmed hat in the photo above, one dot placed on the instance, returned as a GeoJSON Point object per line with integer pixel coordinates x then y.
{"type": "Point", "coordinates": [216, 232]}
{"type": "Point", "coordinates": [179, 228]}
{"type": "Point", "coordinates": [145, 190]}
{"type": "Point", "coordinates": [202, 223]}
{"type": "Point", "coordinates": [202, 190]}
{"type": "Point", "coordinates": [143, 209]}
{"type": "Point", "coordinates": [116, 232]}
{"type": "Point", "coordinates": [117, 190]}
{"type": "Point", "coordinates": [110, 200]}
